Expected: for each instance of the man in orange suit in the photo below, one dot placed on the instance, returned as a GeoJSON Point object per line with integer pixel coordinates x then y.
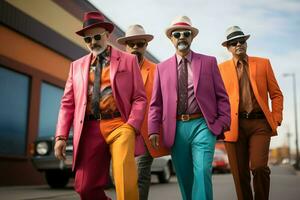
{"type": "Point", "coordinates": [248, 81]}
{"type": "Point", "coordinates": [136, 41]}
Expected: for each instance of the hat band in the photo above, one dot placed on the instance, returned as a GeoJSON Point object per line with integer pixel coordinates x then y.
{"type": "Point", "coordinates": [231, 35]}
{"type": "Point", "coordinates": [91, 22]}
{"type": "Point", "coordinates": [181, 24]}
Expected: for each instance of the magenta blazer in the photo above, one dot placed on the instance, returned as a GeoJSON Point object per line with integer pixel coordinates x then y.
{"type": "Point", "coordinates": [209, 90]}
{"type": "Point", "coordinates": [128, 90]}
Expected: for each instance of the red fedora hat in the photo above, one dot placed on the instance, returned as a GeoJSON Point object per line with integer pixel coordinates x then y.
{"type": "Point", "coordinates": [94, 19]}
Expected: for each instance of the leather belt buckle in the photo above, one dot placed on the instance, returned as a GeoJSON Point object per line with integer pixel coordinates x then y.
{"type": "Point", "coordinates": [98, 117]}
{"type": "Point", "coordinates": [103, 116]}
{"type": "Point", "coordinates": [247, 115]}
{"type": "Point", "coordinates": [185, 118]}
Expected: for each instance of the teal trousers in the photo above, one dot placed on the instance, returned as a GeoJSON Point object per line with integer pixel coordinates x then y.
{"type": "Point", "coordinates": [192, 156]}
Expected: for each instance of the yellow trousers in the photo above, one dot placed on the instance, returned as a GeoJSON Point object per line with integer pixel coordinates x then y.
{"type": "Point", "coordinates": [122, 143]}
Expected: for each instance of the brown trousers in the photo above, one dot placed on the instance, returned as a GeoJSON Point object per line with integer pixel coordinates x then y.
{"type": "Point", "coordinates": [251, 152]}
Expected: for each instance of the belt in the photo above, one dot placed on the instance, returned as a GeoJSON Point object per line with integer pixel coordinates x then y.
{"type": "Point", "coordinates": [254, 115]}
{"type": "Point", "coordinates": [188, 117]}
{"type": "Point", "coordinates": [102, 116]}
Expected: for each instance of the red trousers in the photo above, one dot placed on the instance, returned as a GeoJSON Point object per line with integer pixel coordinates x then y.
{"type": "Point", "coordinates": [92, 165]}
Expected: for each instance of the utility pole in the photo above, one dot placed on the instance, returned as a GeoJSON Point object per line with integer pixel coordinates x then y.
{"type": "Point", "coordinates": [295, 112]}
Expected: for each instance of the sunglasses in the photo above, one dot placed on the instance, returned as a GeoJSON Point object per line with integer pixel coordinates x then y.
{"type": "Point", "coordinates": [88, 39]}
{"type": "Point", "coordinates": [138, 44]}
{"type": "Point", "coordinates": [235, 42]}
{"type": "Point", "coordinates": [177, 34]}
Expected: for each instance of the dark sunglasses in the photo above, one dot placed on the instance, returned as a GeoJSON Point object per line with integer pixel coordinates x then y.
{"type": "Point", "coordinates": [88, 39]}
{"type": "Point", "coordinates": [138, 44]}
{"type": "Point", "coordinates": [177, 34]}
{"type": "Point", "coordinates": [235, 42]}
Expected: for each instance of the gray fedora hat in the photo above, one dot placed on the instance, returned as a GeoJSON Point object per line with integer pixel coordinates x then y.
{"type": "Point", "coordinates": [135, 32]}
{"type": "Point", "coordinates": [234, 32]}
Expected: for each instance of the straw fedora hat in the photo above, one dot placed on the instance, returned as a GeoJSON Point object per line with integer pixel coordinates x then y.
{"type": "Point", "coordinates": [135, 32]}
{"type": "Point", "coordinates": [94, 19]}
{"type": "Point", "coordinates": [181, 22]}
{"type": "Point", "coordinates": [232, 33]}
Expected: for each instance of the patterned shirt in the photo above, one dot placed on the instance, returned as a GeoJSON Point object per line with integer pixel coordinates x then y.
{"type": "Point", "coordinates": [107, 102]}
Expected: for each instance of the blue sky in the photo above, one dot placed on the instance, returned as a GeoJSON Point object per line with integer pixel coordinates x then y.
{"type": "Point", "coordinates": [274, 26]}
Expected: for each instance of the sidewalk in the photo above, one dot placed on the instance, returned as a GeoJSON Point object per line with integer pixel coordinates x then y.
{"type": "Point", "coordinates": [285, 169]}
{"type": "Point", "coordinates": [40, 192]}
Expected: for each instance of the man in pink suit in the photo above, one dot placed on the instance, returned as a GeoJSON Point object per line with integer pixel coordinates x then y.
{"type": "Point", "coordinates": [104, 100]}
{"type": "Point", "coordinates": [190, 102]}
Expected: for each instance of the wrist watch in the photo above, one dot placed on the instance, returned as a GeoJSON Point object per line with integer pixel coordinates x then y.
{"type": "Point", "coordinates": [60, 138]}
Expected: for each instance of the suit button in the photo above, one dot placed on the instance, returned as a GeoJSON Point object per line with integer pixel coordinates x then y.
{"type": "Point", "coordinates": [80, 121]}
{"type": "Point", "coordinates": [235, 113]}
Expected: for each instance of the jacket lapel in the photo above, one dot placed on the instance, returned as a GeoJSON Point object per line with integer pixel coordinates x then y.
{"type": "Point", "coordinates": [232, 77]}
{"type": "Point", "coordinates": [172, 74]}
{"type": "Point", "coordinates": [196, 69]}
{"type": "Point", "coordinates": [114, 64]}
{"type": "Point", "coordinates": [85, 66]}
{"type": "Point", "coordinates": [252, 76]}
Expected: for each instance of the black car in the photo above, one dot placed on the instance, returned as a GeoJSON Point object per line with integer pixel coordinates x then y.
{"type": "Point", "coordinates": [57, 172]}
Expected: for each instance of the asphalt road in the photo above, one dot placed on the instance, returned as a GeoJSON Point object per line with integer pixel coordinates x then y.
{"type": "Point", "coordinates": [285, 184]}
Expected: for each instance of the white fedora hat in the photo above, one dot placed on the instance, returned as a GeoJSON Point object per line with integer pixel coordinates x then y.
{"type": "Point", "coordinates": [134, 32]}
{"type": "Point", "coordinates": [232, 33]}
{"type": "Point", "coordinates": [181, 22]}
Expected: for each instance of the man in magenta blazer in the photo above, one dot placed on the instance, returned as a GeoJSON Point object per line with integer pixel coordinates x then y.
{"type": "Point", "coordinates": [190, 102]}
{"type": "Point", "coordinates": [104, 100]}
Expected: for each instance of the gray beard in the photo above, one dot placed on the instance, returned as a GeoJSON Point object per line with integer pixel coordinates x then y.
{"type": "Point", "coordinates": [182, 46]}
{"type": "Point", "coordinates": [97, 49]}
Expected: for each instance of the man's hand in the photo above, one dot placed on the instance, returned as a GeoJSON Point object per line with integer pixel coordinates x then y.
{"type": "Point", "coordinates": [60, 149]}
{"type": "Point", "coordinates": [154, 138]}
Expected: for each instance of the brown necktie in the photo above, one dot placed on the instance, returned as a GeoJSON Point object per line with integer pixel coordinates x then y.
{"type": "Point", "coordinates": [96, 87]}
{"type": "Point", "coordinates": [246, 104]}
{"type": "Point", "coordinates": [182, 88]}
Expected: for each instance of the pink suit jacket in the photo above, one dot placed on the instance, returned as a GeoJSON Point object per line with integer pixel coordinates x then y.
{"type": "Point", "coordinates": [128, 90]}
{"type": "Point", "coordinates": [209, 90]}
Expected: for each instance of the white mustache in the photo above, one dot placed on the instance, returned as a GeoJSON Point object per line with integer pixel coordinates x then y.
{"type": "Point", "coordinates": [95, 47]}
{"type": "Point", "coordinates": [97, 50]}
{"type": "Point", "coordinates": [182, 46]}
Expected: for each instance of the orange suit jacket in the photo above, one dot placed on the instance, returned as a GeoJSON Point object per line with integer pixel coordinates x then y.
{"type": "Point", "coordinates": [148, 71]}
{"type": "Point", "coordinates": [263, 82]}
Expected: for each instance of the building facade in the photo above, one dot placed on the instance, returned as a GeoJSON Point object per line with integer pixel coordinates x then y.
{"type": "Point", "coordinates": [37, 44]}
